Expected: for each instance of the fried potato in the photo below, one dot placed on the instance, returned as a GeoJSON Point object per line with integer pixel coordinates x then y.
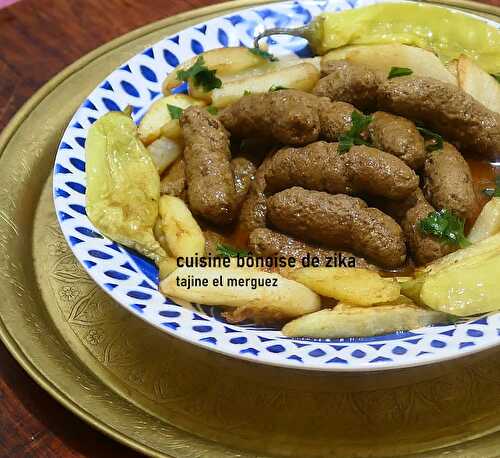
{"type": "Point", "coordinates": [382, 57]}
{"type": "Point", "coordinates": [223, 60]}
{"type": "Point", "coordinates": [180, 230]}
{"type": "Point", "coordinates": [478, 83]}
{"type": "Point", "coordinates": [284, 297]}
{"type": "Point", "coordinates": [346, 320]}
{"type": "Point", "coordinates": [362, 287]}
{"type": "Point", "coordinates": [158, 115]}
{"type": "Point", "coordinates": [164, 152]}
{"type": "Point", "coordinates": [301, 77]}
{"type": "Point", "coordinates": [166, 266]}
{"type": "Point", "coordinates": [487, 223]}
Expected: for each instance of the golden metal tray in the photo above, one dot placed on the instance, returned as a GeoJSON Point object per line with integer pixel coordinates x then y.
{"type": "Point", "coordinates": [165, 397]}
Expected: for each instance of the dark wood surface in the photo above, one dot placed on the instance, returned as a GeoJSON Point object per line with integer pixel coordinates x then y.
{"type": "Point", "coordinates": [38, 38]}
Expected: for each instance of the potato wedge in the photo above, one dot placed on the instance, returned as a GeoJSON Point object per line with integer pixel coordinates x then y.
{"type": "Point", "coordinates": [383, 57]}
{"type": "Point", "coordinates": [164, 152]}
{"type": "Point", "coordinates": [362, 287]}
{"type": "Point", "coordinates": [346, 320]}
{"type": "Point", "coordinates": [158, 115]}
{"type": "Point", "coordinates": [285, 297]}
{"type": "Point", "coordinates": [478, 83]}
{"type": "Point", "coordinates": [172, 129]}
{"type": "Point", "coordinates": [302, 77]}
{"type": "Point", "coordinates": [166, 267]}
{"type": "Point", "coordinates": [467, 288]}
{"type": "Point", "coordinates": [223, 60]}
{"type": "Point", "coordinates": [180, 230]}
{"type": "Point", "coordinates": [487, 223]}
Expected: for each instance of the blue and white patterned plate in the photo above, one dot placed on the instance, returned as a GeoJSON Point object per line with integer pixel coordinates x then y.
{"type": "Point", "coordinates": [133, 280]}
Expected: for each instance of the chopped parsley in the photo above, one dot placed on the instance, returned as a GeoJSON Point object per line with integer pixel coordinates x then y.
{"type": "Point", "coordinates": [437, 140]}
{"type": "Point", "coordinates": [212, 110]}
{"type": "Point", "coordinates": [200, 75]}
{"type": "Point", "coordinates": [496, 76]}
{"type": "Point", "coordinates": [229, 251]}
{"type": "Point", "coordinates": [399, 71]}
{"type": "Point", "coordinates": [353, 137]}
{"type": "Point", "coordinates": [490, 192]}
{"type": "Point", "coordinates": [446, 226]}
{"type": "Point", "coordinates": [246, 92]}
{"type": "Point", "coordinates": [175, 112]}
{"type": "Point", "coordinates": [263, 54]}
{"type": "Point", "coordinates": [276, 87]}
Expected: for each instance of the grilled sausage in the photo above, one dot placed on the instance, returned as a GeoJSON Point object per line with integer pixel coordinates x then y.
{"type": "Point", "coordinates": [319, 166]}
{"type": "Point", "coordinates": [338, 221]}
{"type": "Point", "coordinates": [398, 136]}
{"type": "Point", "coordinates": [448, 182]}
{"type": "Point", "coordinates": [210, 182]}
{"type": "Point", "coordinates": [287, 116]}
{"type": "Point", "coordinates": [346, 81]}
{"type": "Point", "coordinates": [335, 119]}
{"type": "Point", "coordinates": [174, 180]}
{"type": "Point", "coordinates": [266, 242]}
{"type": "Point", "coordinates": [244, 172]}
{"type": "Point", "coordinates": [445, 109]}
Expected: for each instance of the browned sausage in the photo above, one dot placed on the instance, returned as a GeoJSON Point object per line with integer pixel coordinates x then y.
{"type": "Point", "coordinates": [319, 166]}
{"type": "Point", "coordinates": [338, 221]}
{"type": "Point", "coordinates": [448, 182]}
{"type": "Point", "coordinates": [244, 173]}
{"type": "Point", "coordinates": [210, 182]}
{"type": "Point", "coordinates": [335, 118]}
{"type": "Point", "coordinates": [173, 181]}
{"type": "Point", "coordinates": [287, 116]}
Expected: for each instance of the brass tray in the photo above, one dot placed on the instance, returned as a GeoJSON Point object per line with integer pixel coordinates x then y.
{"type": "Point", "coordinates": [164, 397]}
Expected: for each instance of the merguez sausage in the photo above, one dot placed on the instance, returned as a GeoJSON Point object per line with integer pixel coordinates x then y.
{"type": "Point", "coordinates": [210, 183]}
{"type": "Point", "coordinates": [338, 221]}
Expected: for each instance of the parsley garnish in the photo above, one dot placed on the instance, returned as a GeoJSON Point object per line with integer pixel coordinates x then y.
{"type": "Point", "coordinates": [246, 92]}
{"type": "Point", "coordinates": [446, 226]}
{"type": "Point", "coordinates": [490, 192]}
{"type": "Point", "coordinates": [200, 75]}
{"type": "Point", "coordinates": [399, 71]}
{"type": "Point", "coordinates": [429, 135]}
{"type": "Point", "coordinates": [263, 54]}
{"type": "Point", "coordinates": [229, 251]}
{"type": "Point", "coordinates": [175, 112]}
{"type": "Point", "coordinates": [276, 87]}
{"type": "Point", "coordinates": [496, 76]}
{"type": "Point", "coordinates": [212, 110]}
{"type": "Point", "coordinates": [353, 137]}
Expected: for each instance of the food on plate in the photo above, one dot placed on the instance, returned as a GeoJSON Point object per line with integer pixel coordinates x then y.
{"type": "Point", "coordinates": [355, 286]}
{"type": "Point", "coordinates": [361, 170]}
{"type": "Point", "coordinates": [346, 320]}
{"type": "Point", "coordinates": [338, 221]}
{"type": "Point", "coordinates": [478, 83]}
{"type": "Point", "coordinates": [239, 288]}
{"type": "Point", "coordinates": [123, 185]}
{"type": "Point", "coordinates": [160, 113]}
{"type": "Point", "coordinates": [210, 184]}
{"type": "Point", "coordinates": [354, 174]}
{"type": "Point", "coordinates": [448, 181]}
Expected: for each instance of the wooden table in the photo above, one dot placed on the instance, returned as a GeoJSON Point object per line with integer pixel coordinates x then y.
{"type": "Point", "coordinates": [38, 38]}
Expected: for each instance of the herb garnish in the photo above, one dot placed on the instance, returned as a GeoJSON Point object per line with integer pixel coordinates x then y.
{"type": "Point", "coordinates": [175, 112]}
{"type": "Point", "coordinates": [276, 87]}
{"type": "Point", "coordinates": [490, 192]}
{"type": "Point", "coordinates": [229, 251]}
{"type": "Point", "coordinates": [246, 92]}
{"type": "Point", "coordinates": [200, 75]}
{"type": "Point", "coordinates": [496, 76]}
{"type": "Point", "coordinates": [263, 54]}
{"type": "Point", "coordinates": [353, 137]}
{"type": "Point", "coordinates": [429, 135]}
{"type": "Point", "coordinates": [212, 110]}
{"type": "Point", "coordinates": [446, 226]}
{"type": "Point", "coordinates": [399, 71]}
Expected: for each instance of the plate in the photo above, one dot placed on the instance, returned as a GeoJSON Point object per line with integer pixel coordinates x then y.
{"type": "Point", "coordinates": [132, 280]}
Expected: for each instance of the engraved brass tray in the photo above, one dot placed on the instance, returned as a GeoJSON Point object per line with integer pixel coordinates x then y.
{"type": "Point", "coordinates": [166, 398]}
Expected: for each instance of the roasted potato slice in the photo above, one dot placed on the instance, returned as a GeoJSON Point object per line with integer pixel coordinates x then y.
{"type": "Point", "coordinates": [382, 57]}
{"type": "Point", "coordinates": [302, 77]}
{"type": "Point", "coordinates": [158, 115]}
{"type": "Point", "coordinates": [478, 83]}
{"type": "Point", "coordinates": [362, 287]}
{"type": "Point", "coordinates": [281, 296]}
{"type": "Point", "coordinates": [487, 223]}
{"type": "Point", "coordinates": [179, 229]}
{"type": "Point", "coordinates": [346, 320]}
{"type": "Point", "coordinates": [164, 152]}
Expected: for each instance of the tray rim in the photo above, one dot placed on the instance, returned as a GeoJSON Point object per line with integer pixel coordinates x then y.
{"type": "Point", "coordinates": [22, 114]}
